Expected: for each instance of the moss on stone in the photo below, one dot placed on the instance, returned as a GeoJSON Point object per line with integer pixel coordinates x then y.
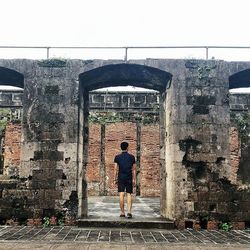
{"type": "Point", "coordinates": [52, 63]}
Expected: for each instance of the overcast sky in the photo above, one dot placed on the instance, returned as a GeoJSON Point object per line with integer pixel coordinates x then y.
{"type": "Point", "coordinates": [125, 23]}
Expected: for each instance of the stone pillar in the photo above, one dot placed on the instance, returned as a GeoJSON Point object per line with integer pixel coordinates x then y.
{"type": "Point", "coordinates": [50, 132]}
{"type": "Point", "coordinates": [83, 154]}
{"type": "Point", "coordinates": [197, 141]}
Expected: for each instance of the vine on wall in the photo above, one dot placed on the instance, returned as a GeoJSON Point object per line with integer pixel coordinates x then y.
{"type": "Point", "coordinates": [242, 121]}
{"type": "Point", "coordinates": [112, 117]}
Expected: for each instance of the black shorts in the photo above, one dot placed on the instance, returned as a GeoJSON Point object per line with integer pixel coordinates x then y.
{"type": "Point", "coordinates": [125, 186]}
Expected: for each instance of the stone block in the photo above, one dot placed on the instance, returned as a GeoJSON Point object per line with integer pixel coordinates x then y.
{"type": "Point", "coordinates": [51, 90]}
{"type": "Point", "coordinates": [212, 225]}
{"type": "Point", "coordinates": [8, 184]}
{"type": "Point", "coordinates": [196, 225]}
{"type": "Point", "coordinates": [201, 206]}
{"type": "Point", "coordinates": [49, 155]}
{"type": "Point", "coordinates": [180, 224]}
{"type": "Point", "coordinates": [70, 151]}
{"type": "Point", "coordinates": [189, 206]}
{"type": "Point", "coordinates": [203, 196]}
{"type": "Point", "coordinates": [238, 225]}
{"type": "Point", "coordinates": [201, 157]}
{"type": "Point", "coordinates": [244, 206]}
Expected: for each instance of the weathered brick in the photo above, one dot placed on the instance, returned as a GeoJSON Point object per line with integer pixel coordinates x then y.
{"type": "Point", "coordinates": [93, 173]}
{"type": "Point", "coordinates": [12, 148]}
{"type": "Point", "coordinates": [212, 225]}
{"type": "Point", "coordinates": [238, 225]}
{"type": "Point", "coordinates": [150, 161]}
{"type": "Point", "coordinates": [114, 134]}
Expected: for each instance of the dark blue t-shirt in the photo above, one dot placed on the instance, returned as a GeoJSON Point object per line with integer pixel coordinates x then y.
{"type": "Point", "coordinates": [125, 162]}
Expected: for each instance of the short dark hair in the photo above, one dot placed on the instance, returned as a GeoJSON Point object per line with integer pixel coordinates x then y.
{"type": "Point", "coordinates": [124, 145]}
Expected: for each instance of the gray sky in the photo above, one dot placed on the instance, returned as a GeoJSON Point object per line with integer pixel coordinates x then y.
{"type": "Point", "coordinates": [125, 23]}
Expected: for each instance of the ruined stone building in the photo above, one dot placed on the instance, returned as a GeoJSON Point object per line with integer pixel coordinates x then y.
{"type": "Point", "coordinates": [190, 136]}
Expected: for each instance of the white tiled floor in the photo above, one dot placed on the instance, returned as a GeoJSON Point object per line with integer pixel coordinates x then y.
{"type": "Point", "coordinates": [108, 207]}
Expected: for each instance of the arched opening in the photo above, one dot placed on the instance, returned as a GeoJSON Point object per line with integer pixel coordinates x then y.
{"type": "Point", "coordinates": [124, 75]}
{"type": "Point", "coordinates": [239, 85]}
{"type": "Point", "coordinates": [11, 92]}
{"type": "Point", "coordinates": [11, 78]}
{"type": "Point", "coordinates": [111, 76]}
{"type": "Point", "coordinates": [240, 82]}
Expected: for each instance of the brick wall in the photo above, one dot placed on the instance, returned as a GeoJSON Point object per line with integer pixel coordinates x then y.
{"type": "Point", "coordinates": [104, 144]}
{"type": "Point", "coordinates": [235, 153]}
{"type": "Point", "coordinates": [115, 133]}
{"type": "Point", "coordinates": [12, 148]}
{"type": "Point", "coordinates": [94, 160]}
{"type": "Point", "coordinates": [101, 154]}
{"type": "Point", "coordinates": [150, 161]}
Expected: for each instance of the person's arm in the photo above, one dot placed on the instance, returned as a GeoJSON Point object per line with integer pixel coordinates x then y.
{"type": "Point", "coordinates": [115, 173]}
{"type": "Point", "coordinates": [134, 174]}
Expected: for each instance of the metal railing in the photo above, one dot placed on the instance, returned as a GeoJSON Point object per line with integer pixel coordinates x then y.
{"type": "Point", "coordinates": [125, 48]}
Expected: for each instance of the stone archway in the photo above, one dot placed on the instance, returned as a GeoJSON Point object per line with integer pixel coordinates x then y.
{"type": "Point", "coordinates": [120, 75]}
{"type": "Point", "coordinates": [195, 124]}
{"type": "Point", "coordinates": [11, 77]}
{"type": "Point", "coordinates": [240, 79]}
{"type": "Point", "coordinates": [239, 141]}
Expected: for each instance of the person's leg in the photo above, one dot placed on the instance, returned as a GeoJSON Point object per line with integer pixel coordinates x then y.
{"type": "Point", "coordinates": [129, 202]}
{"type": "Point", "coordinates": [129, 191]}
{"type": "Point", "coordinates": [121, 190]}
{"type": "Point", "coordinates": [122, 203]}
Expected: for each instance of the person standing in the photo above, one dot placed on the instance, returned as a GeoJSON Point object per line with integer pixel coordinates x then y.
{"type": "Point", "coordinates": [125, 177]}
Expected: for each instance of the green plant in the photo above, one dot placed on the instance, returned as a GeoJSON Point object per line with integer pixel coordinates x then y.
{"type": "Point", "coordinates": [204, 70]}
{"type": "Point", "coordinates": [46, 221]}
{"type": "Point", "coordinates": [3, 123]}
{"type": "Point", "coordinates": [60, 222]}
{"type": "Point", "coordinates": [242, 122]}
{"type": "Point", "coordinates": [113, 117]}
{"type": "Point", "coordinates": [225, 226]}
{"type": "Point", "coordinates": [103, 118]}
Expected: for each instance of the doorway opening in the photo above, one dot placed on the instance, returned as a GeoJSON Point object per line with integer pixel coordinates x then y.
{"type": "Point", "coordinates": [111, 117]}
{"type": "Point", "coordinates": [239, 87]}
{"type": "Point", "coordinates": [11, 93]}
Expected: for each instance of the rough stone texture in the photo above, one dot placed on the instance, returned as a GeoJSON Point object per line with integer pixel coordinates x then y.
{"type": "Point", "coordinates": [243, 172]}
{"type": "Point", "coordinates": [132, 101]}
{"type": "Point", "coordinates": [11, 98]}
{"type": "Point", "coordinates": [239, 102]}
{"type": "Point", "coordinates": [195, 126]}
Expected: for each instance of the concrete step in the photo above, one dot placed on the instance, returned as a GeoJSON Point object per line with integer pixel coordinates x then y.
{"type": "Point", "coordinates": [126, 223]}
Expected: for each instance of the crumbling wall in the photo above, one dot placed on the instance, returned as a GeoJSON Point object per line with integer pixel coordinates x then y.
{"type": "Point", "coordinates": [205, 174]}
{"type": "Point", "coordinates": [197, 153]}
{"type": "Point", "coordinates": [46, 181]}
